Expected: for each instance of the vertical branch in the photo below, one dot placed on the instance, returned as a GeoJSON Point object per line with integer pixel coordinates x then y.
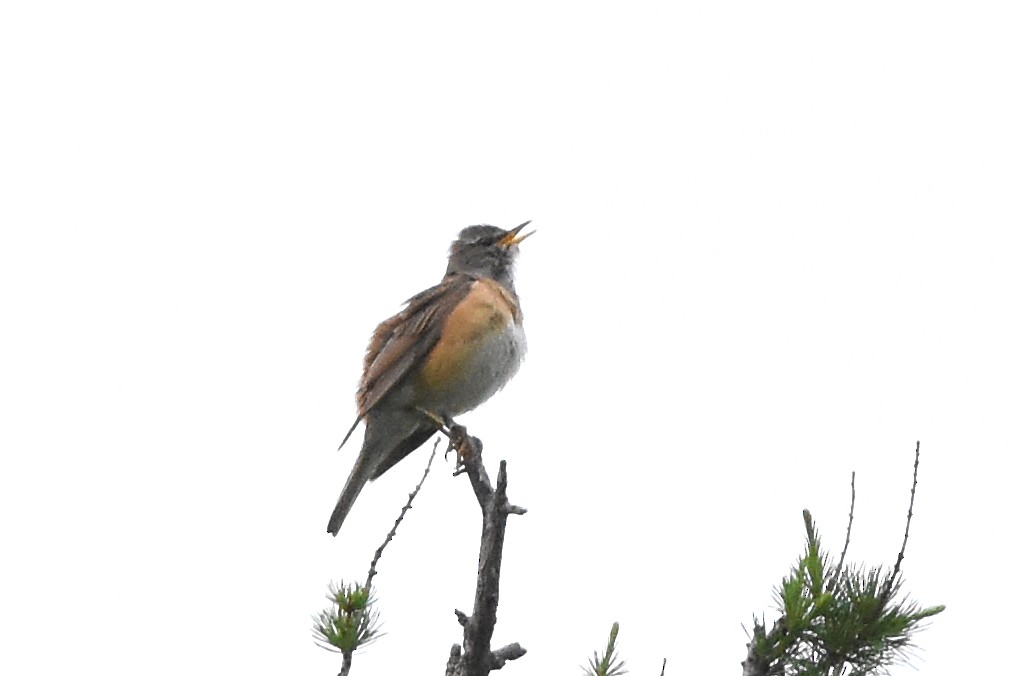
{"type": "Point", "coordinates": [907, 527]}
{"type": "Point", "coordinates": [851, 520]}
{"type": "Point", "coordinates": [476, 658]}
{"type": "Point", "coordinates": [836, 576]}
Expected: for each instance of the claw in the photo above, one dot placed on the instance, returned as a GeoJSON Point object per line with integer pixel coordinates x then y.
{"type": "Point", "coordinates": [467, 446]}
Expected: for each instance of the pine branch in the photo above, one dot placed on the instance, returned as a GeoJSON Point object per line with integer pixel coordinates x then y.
{"type": "Point", "coordinates": [351, 622]}
{"type": "Point", "coordinates": [853, 620]}
{"type": "Point", "coordinates": [608, 664]}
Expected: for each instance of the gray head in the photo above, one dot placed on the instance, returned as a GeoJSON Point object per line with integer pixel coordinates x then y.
{"type": "Point", "coordinates": [486, 251]}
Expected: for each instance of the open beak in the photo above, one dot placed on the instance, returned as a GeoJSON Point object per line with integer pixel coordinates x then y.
{"type": "Point", "coordinates": [513, 238]}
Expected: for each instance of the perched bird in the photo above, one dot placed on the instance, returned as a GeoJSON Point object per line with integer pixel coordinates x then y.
{"type": "Point", "coordinates": [451, 348]}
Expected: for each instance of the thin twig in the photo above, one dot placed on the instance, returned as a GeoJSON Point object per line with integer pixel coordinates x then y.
{"type": "Point", "coordinates": [851, 520]}
{"type": "Point", "coordinates": [847, 540]}
{"type": "Point", "coordinates": [907, 526]}
{"type": "Point", "coordinates": [664, 661]}
{"type": "Point", "coordinates": [397, 522]}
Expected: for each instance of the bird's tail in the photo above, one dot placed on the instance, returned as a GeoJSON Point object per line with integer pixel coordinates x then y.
{"type": "Point", "coordinates": [353, 486]}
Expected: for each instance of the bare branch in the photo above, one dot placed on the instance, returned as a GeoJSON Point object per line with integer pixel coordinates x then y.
{"type": "Point", "coordinates": [851, 520]}
{"type": "Point", "coordinates": [455, 660]}
{"type": "Point", "coordinates": [664, 661]}
{"type": "Point", "coordinates": [907, 526]}
{"type": "Point", "coordinates": [835, 577]}
{"type": "Point", "coordinates": [476, 658]}
{"type": "Point", "coordinates": [500, 657]}
{"type": "Point", "coordinates": [397, 522]}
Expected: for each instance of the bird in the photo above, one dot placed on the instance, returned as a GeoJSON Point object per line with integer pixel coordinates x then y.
{"type": "Point", "coordinates": [449, 350]}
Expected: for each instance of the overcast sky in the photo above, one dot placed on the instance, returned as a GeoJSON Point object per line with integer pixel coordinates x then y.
{"type": "Point", "coordinates": [774, 246]}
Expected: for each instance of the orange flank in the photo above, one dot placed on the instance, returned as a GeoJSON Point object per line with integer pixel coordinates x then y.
{"type": "Point", "coordinates": [485, 311]}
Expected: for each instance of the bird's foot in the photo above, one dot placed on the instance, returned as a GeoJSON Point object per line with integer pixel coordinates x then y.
{"type": "Point", "coordinates": [468, 448]}
{"type": "Point", "coordinates": [465, 445]}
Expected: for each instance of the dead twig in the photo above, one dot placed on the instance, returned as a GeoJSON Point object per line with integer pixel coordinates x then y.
{"type": "Point", "coordinates": [907, 527]}
{"type": "Point", "coordinates": [835, 577]}
{"type": "Point", "coordinates": [476, 658]}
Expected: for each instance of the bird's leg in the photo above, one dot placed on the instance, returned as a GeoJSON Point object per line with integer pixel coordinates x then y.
{"type": "Point", "coordinates": [441, 421]}
{"type": "Point", "coordinates": [448, 427]}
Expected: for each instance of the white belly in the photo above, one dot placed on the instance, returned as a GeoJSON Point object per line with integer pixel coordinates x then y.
{"type": "Point", "coordinates": [488, 367]}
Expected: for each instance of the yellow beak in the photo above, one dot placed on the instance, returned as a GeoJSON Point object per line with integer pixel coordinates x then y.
{"type": "Point", "coordinates": [513, 238]}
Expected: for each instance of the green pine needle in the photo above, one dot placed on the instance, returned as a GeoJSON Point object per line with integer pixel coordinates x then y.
{"type": "Point", "coordinates": [858, 621]}
{"type": "Point", "coordinates": [350, 622]}
{"type": "Point", "coordinates": [607, 664]}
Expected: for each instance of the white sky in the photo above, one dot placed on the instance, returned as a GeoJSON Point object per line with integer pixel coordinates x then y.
{"type": "Point", "coordinates": [774, 246]}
